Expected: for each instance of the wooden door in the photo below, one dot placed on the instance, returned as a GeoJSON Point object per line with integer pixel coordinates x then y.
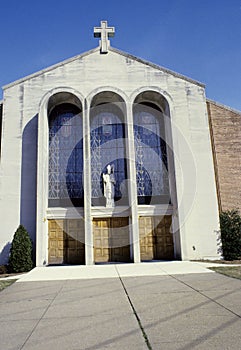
{"type": "Point", "coordinates": [156, 240]}
{"type": "Point", "coordinates": [146, 238]}
{"type": "Point", "coordinates": [101, 232]}
{"type": "Point", "coordinates": [75, 238]}
{"type": "Point", "coordinates": [57, 239]}
{"type": "Point", "coordinates": [111, 240]}
{"type": "Point", "coordinates": [66, 242]}
{"type": "Point", "coordinates": [164, 249]}
{"type": "Point", "coordinates": [120, 241]}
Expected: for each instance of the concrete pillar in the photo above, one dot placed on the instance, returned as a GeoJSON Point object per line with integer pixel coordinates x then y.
{"type": "Point", "coordinates": [89, 252]}
{"type": "Point", "coordinates": [42, 188]}
{"type": "Point", "coordinates": [134, 226]}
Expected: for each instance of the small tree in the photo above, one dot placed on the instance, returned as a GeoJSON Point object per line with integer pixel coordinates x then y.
{"type": "Point", "coordinates": [230, 225]}
{"type": "Point", "coordinates": [20, 259]}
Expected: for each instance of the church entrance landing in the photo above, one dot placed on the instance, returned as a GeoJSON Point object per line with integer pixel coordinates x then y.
{"type": "Point", "coordinates": [66, 242]}
{"type": "Point", "coordinates": [156, 240]}
{"type": "Point", "coordinates": [111, 239]}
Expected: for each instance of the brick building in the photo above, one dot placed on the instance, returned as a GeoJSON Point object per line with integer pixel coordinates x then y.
{"type": "Point", "coordinates": [225, 130]}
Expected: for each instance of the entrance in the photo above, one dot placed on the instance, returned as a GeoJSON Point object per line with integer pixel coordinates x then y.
{"type": "Point", "coordinates": [66, 242]}
{"type": "Point", "coordinates": [111, 240]}
{"type": "Point", "coordinates": [156, 241]}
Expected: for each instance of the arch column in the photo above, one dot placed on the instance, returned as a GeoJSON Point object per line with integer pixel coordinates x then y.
{"type": "Point", "coordinates": [42, 187]}
{"type": "Point", "coordinates": [89, 251]}
{"type": "Point", "coordinates": [132, 190]}
{"type": "Point", "coordinates": [43, 169]}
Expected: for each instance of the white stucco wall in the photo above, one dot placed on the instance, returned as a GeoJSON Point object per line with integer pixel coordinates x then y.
{"type": "Point", "coordinates": [195, 183]}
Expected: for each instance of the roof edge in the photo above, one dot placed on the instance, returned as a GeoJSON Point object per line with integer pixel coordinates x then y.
{"type": "Point", "coordinates": [135, 58]}
{"type": "Point", "coordinates": [223, 106]}
{"type": "Point", "coordinates": [33, 75]}
{"type": "Point", "coordinates": [169, 71]}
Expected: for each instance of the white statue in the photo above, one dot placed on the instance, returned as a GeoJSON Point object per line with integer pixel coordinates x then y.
{"type": "Point", "coordinates": [109, 186]}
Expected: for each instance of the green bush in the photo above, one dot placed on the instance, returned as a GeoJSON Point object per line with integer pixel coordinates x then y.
{"type": "Point", "coordinates": [230, 225]}
{"type": "Point", "coordinates": [3, 270]}
{"type": "Point", "coordinates": [20, 259]}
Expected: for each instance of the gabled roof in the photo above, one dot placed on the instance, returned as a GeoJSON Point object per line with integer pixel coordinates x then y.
{"type": "Point", "coordinates": [156, 66]}
{"type": "Point", "coordinates": [122, 53]}
{"type": "Point", "coordinates": [62, 63]}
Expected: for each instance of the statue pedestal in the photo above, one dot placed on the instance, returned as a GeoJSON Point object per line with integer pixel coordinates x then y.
{"type": "Point", "coordinates": [110, 203]}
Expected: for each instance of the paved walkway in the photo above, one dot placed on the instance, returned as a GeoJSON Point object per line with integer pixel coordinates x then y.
{"type": "Point", "coordinates": [149, 306]}
{"type": "Point", "coordinates": [112, 270]}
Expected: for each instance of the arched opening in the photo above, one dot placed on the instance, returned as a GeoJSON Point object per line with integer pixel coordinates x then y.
{"type": "Point", "coordinates": [108, 147]}
{"type": "Point", "coordinates": [150, 154]}
{"type": "Point", "coordinates": [152, 158]}
{"type": "Point", "coordinates": [111, 236]}
{"type": "Point", "coordinates": [65, 152]}
{"type": "Point", "coordinates": [65, 179]}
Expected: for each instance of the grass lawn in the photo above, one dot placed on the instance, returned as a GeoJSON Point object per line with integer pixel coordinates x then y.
{"type": "Point", "coordinates": [6, 283]}
{"type": "Point", "coordinates": [231, 271]}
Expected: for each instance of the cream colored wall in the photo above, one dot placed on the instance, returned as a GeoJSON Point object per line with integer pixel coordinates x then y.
{"type": "Point", "coordinates": [195, 183]}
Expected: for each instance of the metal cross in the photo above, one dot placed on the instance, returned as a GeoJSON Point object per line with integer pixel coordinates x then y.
{"type": "Point", "coordinates": [104, 32]}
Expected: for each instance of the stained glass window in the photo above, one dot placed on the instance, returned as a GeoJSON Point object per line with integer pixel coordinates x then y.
{"type": "Point", "coordinates": [151, 155]}
{"type": "Point", "coordinates": [65, 156]}
{"type": "Point", "coordinates": [108, 147]}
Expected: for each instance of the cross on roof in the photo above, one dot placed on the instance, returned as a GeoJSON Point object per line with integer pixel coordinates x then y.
{"type": "Point", "coordinates": [104, 32]}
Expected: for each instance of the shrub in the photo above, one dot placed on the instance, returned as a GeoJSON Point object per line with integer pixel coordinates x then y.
{"type": "Point", "coordinates": [20, 259]}
{"type": "Point", "coordinates": [3, 270]}
{"type": "Point", "coordinates": [230, 225]}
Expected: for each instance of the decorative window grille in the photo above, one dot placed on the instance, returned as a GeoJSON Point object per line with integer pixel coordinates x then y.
{"type": "Point", "coordinates": [65, 156]}
{"type": "Point", "coordinates": [151, 155]}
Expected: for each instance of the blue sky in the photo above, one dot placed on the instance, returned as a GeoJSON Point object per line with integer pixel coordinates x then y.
{"type": "Point", "coordinates": [199, 39]}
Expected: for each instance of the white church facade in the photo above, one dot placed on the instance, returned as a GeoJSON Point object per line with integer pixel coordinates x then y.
{"type": "Point", "coordinates": [108, 158]}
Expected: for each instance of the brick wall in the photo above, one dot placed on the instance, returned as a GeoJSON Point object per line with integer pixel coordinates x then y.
{"type": "Point", "coordinates": [225, 128]}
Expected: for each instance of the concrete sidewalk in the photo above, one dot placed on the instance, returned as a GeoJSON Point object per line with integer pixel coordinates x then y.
{"type": "Point", "coordinates": [149, 306]}
{"type": "Point", "coordinates": [51, 273]}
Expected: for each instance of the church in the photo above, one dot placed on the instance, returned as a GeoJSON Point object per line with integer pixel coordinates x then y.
{"type": "Point", "coordinates": [106, 157]}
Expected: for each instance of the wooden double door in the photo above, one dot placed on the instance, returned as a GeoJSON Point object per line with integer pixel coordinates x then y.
{"type": "Point", "coordinates": [156, 240]}
{"type": "Point", "coordinates": [111, 239]}
{"type": "Point", "coordinates": [66, 241]}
